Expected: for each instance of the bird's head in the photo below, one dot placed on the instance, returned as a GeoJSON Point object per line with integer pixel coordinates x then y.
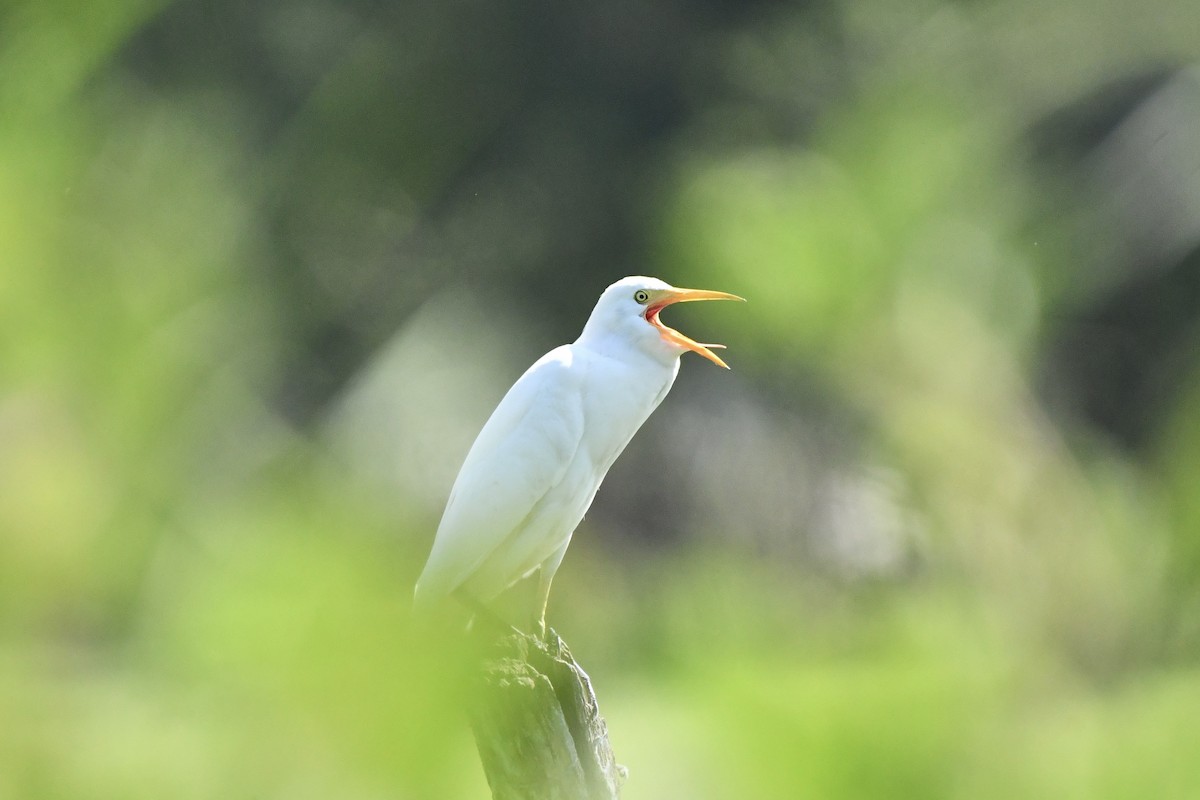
{"type": "Point", "coordinates": [629, 310]}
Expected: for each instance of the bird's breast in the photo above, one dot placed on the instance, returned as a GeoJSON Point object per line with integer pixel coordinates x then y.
{"type": "Point", "coordinates": [618, 399]}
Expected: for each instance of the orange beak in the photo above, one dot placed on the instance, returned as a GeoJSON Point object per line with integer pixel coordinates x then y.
{"type": "Point", "coordinates": [662, 298]}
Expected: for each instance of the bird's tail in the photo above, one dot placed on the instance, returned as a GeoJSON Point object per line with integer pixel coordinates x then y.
{"type": "Point", "coordinates": [424, 602]}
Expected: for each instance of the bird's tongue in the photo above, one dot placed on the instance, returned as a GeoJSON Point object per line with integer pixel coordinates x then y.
{"type": "Point", "coordinates": [677, 338]}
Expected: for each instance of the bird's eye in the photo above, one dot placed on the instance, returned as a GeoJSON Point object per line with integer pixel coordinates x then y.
{"type": "Point", "coordinates": [641, 296]}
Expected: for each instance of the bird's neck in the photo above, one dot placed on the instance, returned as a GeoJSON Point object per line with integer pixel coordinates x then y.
{"type": "Point", "coordinates": [635, 353]}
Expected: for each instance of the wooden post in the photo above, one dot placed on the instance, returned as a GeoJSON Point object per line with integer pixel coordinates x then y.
{"type": "Point", "coordinates": [537, 726]}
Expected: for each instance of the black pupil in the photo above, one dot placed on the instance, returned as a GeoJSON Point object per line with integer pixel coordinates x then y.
{"type": "Point", "coordinates": [641, 297]}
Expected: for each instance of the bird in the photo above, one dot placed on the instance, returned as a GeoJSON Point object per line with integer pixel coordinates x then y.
{"type": "Point", "coordinates": [540, 458]}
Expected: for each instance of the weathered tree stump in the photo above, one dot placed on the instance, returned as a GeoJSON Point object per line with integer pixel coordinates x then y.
{"type": "Point", "coordinates": [537, 725]}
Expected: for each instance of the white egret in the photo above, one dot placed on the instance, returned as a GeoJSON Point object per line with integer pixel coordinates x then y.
{"type": "Point", "coordinates": [536, 466]}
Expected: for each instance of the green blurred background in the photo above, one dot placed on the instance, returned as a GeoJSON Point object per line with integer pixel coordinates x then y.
{"type": "Point", "coordinates": [265, 268]}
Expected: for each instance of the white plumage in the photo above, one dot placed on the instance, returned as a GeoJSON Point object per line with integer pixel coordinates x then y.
{"type": "Point", "coordinates": [536, 466]}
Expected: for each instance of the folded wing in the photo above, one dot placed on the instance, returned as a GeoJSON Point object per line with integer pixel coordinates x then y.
{"type": "Point", "coordinates": [524, 450]}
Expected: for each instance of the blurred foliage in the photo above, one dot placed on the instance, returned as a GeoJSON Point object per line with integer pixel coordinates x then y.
{"type": "Point", "coordinates": [267, 268]}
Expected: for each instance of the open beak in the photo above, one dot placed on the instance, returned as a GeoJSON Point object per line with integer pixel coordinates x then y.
{"type": "Point", "coordinates": [664, 297]}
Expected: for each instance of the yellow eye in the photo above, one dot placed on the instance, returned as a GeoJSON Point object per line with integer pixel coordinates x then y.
{"type": "Point", "coordinates": [641, 296]}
